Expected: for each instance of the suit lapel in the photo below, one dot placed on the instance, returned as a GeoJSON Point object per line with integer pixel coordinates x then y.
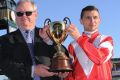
{"type": "Point", "coordinates": [37, 41]}
{"type": "Point", "coordinates": [19, 37]}
{"type": "Point", "coordinates": [20, 41]}
{"type": "Point", "coordinates": [37, 38]}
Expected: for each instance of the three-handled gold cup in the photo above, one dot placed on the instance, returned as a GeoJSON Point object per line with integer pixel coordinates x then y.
{"type": "Point", "coordinates": [57, 33]}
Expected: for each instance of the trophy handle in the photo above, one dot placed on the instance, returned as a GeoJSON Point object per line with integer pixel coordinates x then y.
{"type": "Point", "coordinates": [47, 21]}
{"type": "Point", "coordinates": [65, 20]}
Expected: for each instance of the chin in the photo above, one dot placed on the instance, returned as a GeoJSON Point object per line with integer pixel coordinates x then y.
{"type": "Point", "coordinates": [30, 28]}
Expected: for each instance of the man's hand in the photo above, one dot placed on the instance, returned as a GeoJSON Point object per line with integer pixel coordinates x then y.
{"type": "Point", "coordinates": [63, 74]}
{"type": "Point", "coordinates": [43, 34]}
{"type": "Point", "coordinates": [73, 31]}
{"type": "Point", "coordinates": [42, 71]}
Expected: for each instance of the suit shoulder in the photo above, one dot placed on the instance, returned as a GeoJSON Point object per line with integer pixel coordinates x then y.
{"type": "Point", "coordinates": [8, 36]}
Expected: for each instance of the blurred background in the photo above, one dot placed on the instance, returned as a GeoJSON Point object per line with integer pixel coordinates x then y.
{"type": "Point", "coordinates": [56, 10]}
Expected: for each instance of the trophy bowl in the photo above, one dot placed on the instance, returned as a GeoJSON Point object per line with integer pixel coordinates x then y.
{"type": "Point", "coordinates": [57, 33]}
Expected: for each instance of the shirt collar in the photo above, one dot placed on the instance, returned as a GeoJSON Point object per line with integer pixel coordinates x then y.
{"type": "Point", "coordinates": [89, 33]}
{"type": "Point", "coordinates": [23, 32]}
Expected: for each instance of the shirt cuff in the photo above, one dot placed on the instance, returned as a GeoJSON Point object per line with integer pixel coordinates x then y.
{"type": "Point", "coordinates": [49, 42]}
{"type": "Point", "coordinates": [32, 72]}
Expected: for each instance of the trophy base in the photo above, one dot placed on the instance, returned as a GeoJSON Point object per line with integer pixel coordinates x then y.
{"type": "Point", "coordinates": [60, 70]}
{"type": "Point", "coordinates": [60, 64]}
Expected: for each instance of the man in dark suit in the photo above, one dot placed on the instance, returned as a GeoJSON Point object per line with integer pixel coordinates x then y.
{"type": "Point", "coordinates": [17, 60]}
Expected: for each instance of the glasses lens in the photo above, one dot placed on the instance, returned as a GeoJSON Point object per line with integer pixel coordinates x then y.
{"type": "Point", "coordinates": [28, 13]}
{"type": "Point", "coordinates": [19, 14]}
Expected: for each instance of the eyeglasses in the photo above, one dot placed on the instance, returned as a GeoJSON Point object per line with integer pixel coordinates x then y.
{"type": "Point", "coordinates": [27, 13]}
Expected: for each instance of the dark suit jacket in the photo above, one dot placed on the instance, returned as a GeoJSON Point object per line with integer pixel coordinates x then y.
{"type": "Point", "coordinates": [15, 59]}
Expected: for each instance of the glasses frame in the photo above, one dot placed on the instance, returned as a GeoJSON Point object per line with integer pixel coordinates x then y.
{"type": "Point", "coordinates": [27, 13]}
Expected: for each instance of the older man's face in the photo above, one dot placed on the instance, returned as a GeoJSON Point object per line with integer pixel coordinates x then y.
{"type": "Point", "coordinates": [26, 16]}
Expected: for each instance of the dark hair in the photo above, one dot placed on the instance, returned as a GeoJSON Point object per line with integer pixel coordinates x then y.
{"type": "Point", "coordinates": [88, 8]}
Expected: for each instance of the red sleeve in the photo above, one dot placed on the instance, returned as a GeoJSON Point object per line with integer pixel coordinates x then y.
{"type": "Point", "coordinates": [97, 55]}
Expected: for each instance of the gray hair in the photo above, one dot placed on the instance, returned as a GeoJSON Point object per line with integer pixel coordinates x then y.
{"type": "Point", "coordinates": [31, 1]}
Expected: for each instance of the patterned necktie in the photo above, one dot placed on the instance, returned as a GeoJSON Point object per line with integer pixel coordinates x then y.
{"type": "Point", "coordinates": [28, 35]}
{"type": "Point", "coordinates": [31, 49]}
{"type": "Point", "coordinates": [30, 45]}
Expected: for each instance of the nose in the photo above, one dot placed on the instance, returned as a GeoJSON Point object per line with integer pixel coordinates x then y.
{"type": "Point", "coordinates": [92, 20]}
{"type": "Point", "coordinates": [24, 15]}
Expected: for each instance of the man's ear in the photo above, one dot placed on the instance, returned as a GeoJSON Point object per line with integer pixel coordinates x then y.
{"type": "Point", "coordinates": [36, 13]}
{"type": "Point", "coordinates": [81, 21]}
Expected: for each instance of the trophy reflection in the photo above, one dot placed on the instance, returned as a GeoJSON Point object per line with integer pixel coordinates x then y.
{"type": "Point", "coordinates": [57, 33]}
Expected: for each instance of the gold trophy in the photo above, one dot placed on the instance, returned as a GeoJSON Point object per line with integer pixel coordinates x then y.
{"type": "Point", "coordinates": [57, 33]}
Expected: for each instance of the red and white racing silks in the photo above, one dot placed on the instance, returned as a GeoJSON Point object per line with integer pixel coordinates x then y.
{"type": "Point", "coordinates": [91, 57]}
